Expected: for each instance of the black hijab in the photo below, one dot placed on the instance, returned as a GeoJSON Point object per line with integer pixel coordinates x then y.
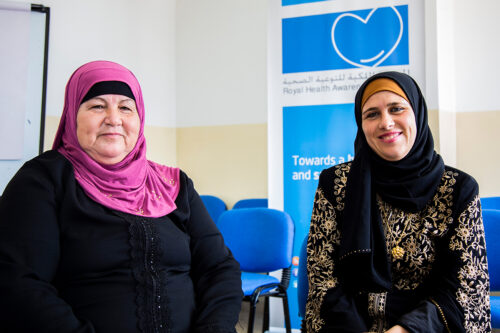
{"type": "Point", "coordinates": [408, 184]}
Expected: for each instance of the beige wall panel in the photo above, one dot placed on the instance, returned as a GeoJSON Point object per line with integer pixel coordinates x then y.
{"type": "Point", "coordinates": [447, 136]}
{"type": "Point", "coordinates": [434, 126]}
{"type": "Point", "coordinates": [51, 124]}
{"type": "Point", "coordinates": [227, 161]}
{"type": "Point", "coordinates": [161, 145]}
{"type": "Point", "coordinates": [161, 141]}
{"type": "Point", "coordinates": [478, 148]}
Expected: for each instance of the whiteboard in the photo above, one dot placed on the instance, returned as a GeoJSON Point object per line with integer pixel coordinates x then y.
{"type": "Point", "coordinates": [31, 134]}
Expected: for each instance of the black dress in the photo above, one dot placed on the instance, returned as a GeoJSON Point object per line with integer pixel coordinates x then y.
{"type": "Point", "coordinates": [69, 264]}
{"type": "Point", "coordinates": [439, 281]}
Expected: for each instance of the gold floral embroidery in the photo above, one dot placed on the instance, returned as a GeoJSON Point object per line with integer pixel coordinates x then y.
{"type": "Point", "coordinates": [340, 182]}
{"type": "Point", "coordinates": [416, 233]}
{"type": "Point", "coordinates": [418, 241]}
{"type": "Point", "coordinates": [323, 237]}
{"type": "Point", "coordinates": [473, 293]}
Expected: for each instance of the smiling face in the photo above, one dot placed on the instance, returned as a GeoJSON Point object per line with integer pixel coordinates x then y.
{"type": "Point", "coordinates": [107, 127]}
{"type": "Point", "coordinates": [388, 122]}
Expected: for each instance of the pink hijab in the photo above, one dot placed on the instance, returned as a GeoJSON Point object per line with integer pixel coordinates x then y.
{"type": "Point", "coordinates": [134, 185]}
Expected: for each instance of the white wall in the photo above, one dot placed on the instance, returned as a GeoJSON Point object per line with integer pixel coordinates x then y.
{"type": "Point", "coordinates": [137, 34]}
{"type": "Point", "coordinates": [221, 62]}
{"type": "Point", "coordinates": [477, 52]}
{"type": "Point", "coordinates": [217, 50]}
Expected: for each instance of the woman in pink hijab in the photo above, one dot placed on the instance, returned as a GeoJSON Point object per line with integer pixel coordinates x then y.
{"type": "Point", "coordinates": [96, 238]}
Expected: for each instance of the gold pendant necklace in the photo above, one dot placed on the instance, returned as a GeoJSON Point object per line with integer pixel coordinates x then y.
{"type": "Point", "coordinates": [397, 251]}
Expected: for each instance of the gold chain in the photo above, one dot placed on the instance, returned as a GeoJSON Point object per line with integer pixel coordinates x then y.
{"type": "Point", "coordinates": [397, 251]}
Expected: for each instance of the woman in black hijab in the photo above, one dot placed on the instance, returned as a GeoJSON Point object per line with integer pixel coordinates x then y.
{"type": "Point", "coordinates": [396, 242]}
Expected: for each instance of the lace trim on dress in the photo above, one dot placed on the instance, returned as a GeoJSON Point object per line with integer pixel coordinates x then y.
{"type": "Point", "coordinates": [145, 255]}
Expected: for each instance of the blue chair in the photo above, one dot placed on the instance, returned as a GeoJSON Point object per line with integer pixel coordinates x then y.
{"type": "Point", "coordinates": [251, 203]}
{"type": "Point", "coordinates": [214, 205]}
{"type": "Point", "coordinates": [490, 203]}
{"type": "Point", "coordinates": [255, 203]}
{"type": "Point", "coordinates": [302, 281]}
{"type": "Point", "coordinates": [261, 240]}
{"type": "Point", "coordinates": [491, 222]}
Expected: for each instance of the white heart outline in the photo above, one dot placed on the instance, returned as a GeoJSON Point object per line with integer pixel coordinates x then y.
{"type": "Point", "coordinates": [365, 21]}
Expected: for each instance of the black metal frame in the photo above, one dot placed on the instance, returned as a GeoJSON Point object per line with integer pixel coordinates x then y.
{"type": "Point", "coordinates": [270, 290]}
{"type": "Point", "coordinates": [46, 11]}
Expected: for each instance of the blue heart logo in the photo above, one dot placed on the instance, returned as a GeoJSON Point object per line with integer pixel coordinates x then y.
{"type": "Point", "coordinates": [367, 42]}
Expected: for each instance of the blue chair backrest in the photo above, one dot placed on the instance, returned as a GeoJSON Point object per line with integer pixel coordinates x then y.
{"type": "Point", "coordinates": [490, 203]}
{"type": "Point", "coordinates": [302, 280]}
{"type": "Point", "coordinates": [251, 203]}
{"type": "Point", "coordinates": [261, 239]}
{"type": "Point", "coordinates": [491, 222]}
{"type": "Point", "coordinates": [214, 205]}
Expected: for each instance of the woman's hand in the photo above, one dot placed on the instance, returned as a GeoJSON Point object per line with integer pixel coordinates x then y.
{"type": "Point", "coordinates": [397, 329]}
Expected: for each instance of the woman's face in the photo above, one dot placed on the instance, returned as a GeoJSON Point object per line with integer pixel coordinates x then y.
{"type": "Point", "coordinates": [107, 127]}
{"type": "Point", "coordinates": [389, 126]}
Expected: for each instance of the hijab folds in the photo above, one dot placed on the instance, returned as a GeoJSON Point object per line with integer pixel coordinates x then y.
{"type": "Point", "coordinates": [408, 184]}
{"type": "Point", "coordinates": [134, 185]}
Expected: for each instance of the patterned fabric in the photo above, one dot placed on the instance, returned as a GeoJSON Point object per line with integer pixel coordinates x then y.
{"type": "Point", "coordinates": [376, 311]}
{"type": "Point", "coordinates": [324, 237]}
{"type": "Point", "coordinates": [421, 235]}
{"type": "Point", "coordinates": [472, 294]}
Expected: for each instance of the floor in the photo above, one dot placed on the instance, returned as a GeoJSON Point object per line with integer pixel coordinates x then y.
{"type": "Point", "coordinates": [242, 325]}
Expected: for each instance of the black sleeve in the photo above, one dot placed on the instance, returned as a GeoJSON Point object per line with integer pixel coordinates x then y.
{"type": "Point", "coordinates": [216, 274]}
{"type": "Point", "coordinates": [329, 308]}
{"type": "Point", "coordinates": [424, 318]}
{"type": "Point", "coordinates": [29, 255]}
{"type": "Point", "coordinates": [461, 288]}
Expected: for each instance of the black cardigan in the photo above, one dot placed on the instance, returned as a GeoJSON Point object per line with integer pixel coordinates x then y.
{"type": "Point", "coordinates": [69, 264]}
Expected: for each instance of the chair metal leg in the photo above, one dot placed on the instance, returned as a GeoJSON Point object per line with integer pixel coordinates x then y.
{"type": "Point", "coordinates": [286, 312]}
{"type": "Point", "coordinates": [251, 316]}
{"type": "Point", "coordinates": [265, 321]}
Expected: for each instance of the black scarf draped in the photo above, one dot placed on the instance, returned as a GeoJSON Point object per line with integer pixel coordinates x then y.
{"type": "Point", "coordinates": [408, 184]}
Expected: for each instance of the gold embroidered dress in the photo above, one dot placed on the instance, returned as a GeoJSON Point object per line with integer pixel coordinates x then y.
{"type": "Point", "coordinates": [437, 259]}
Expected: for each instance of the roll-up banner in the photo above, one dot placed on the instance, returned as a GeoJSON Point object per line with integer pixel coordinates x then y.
{"type": "Point", "coordinates": [319, 53]}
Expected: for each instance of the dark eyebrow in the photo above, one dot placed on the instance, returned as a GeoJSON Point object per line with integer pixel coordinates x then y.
{"type": "Point", "coordinates": [376, 108]}
{"type": "Point", "coordinates": [394, 104]}
{"type": "Point", "coordinates": [369, 110]}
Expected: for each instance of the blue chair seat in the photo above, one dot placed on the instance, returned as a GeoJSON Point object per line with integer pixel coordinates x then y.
{"type": "Point", "coordinates": [495, 311]}
{"type": "Point", "coordinates": [251, 281]}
